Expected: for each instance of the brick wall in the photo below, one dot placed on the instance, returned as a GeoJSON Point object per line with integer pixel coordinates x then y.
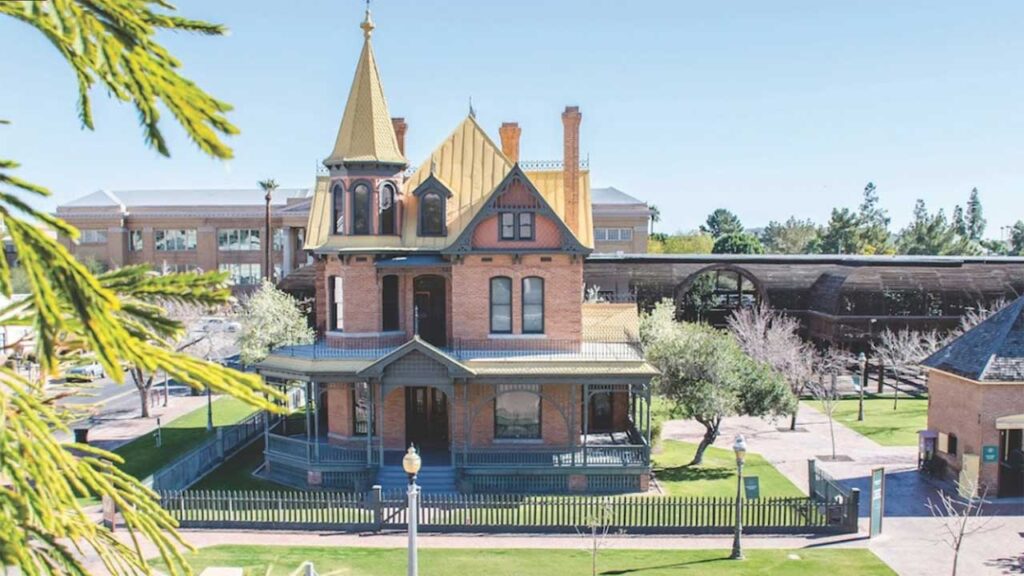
{"type": "Point", "coordinates": [393, 425]}
{"type": "Point", "coordinates": [554, 427]}
{"type": "Point", "coordinates": [969, 410]}
{"type": "Point", "coordinates": [563, 292]}
{"type": "Point", "coordinates": [546, 234]}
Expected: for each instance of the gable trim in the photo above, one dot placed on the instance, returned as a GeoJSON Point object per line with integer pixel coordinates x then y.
{"type": "Point", "coordinates": [455, 368]}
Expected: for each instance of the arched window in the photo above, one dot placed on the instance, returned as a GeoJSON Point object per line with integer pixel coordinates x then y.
{"type": "Point", "coordinates": [339, 209]}
{"type": "Point", "coordinates": [533, 305]}
{"type": "Point", "coordinates": [389, 303]}
{"type": "Point", "coordinates": [361, 209]}
{"type": "Point", "coordinates": [432, 214]}
{"type": "Point", "coordinates": [501, 305]}
{"type": "Point", "coordinates": [388, 209]}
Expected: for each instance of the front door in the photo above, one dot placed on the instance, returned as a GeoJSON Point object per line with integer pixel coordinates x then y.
{"type": "Point", "coordinates": [426, 417]}
{"type": "Point", "coordinates": [601, 412]}
{"type": "Point", "coordinates": [1011, 463]}
{"type": "Point", "coordinates": [429, 306]}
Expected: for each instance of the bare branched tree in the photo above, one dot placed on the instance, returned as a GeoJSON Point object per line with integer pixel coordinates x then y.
{"type": "Point", "coordinates": [960, 519]}
{"type": "Point", "coordinates": [774, 339]}
{"type": "Point", "coordinates": [827, 394]}
{"type": "Point", "coordinates": [978, 314]}
{"type": "Point", "coordinates": [902, 350]}
{"type": "Point", "coordinates": [594, 531]}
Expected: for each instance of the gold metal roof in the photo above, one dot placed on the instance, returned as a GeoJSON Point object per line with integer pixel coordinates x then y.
{"type": "Point", "coordinates": [471, 166]}
{"type": "Point", "coordinates": [366, 133]}
{"type": "Point", "coordinates": [607, 322]}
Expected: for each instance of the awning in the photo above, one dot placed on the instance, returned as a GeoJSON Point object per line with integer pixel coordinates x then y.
{"type": "Point", "coordinates": [413, 261]}
{"type": "Point", "coordinates": [1008, 422]}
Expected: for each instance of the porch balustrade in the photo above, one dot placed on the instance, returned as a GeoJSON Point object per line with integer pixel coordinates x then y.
{"type": "Point", "coordinates": [581, 456]}
{"type": "Point", "coordinates": [316, 452]}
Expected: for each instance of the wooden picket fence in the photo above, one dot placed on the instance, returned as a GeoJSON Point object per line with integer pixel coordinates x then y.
{"type": "Point", "coordinates": [376, 510]}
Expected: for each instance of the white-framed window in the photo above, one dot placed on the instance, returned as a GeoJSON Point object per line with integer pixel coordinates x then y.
{"type": "Point", "coordinates": [238, 239]}
{"type": "Point", "coordinates": [517, 414]}
{"type": "Point", "coordinates": [533, 305]}
{"type": "Point", "coordinates": [246, 274]}
{"type": "Point", "coordinates": [336, 301]}
{"type": "Point", "coordinates": [135, 241]}
{"type": "Point", "coordinates": [92, 237]}
{"type": "Point", "coordinates": [277, 240]}
{"type": "Point", "coordinates": [515, 226]}
{"type": "Point", "coordinates": [168, 268]}
{"type": "Point", "coordinates": [174, 240]}
{"type": "Point", "coordinates": [613, 234]}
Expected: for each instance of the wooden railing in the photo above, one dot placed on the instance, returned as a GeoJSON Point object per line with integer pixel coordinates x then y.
{"type": "Point", "coordinates": [600, 456]}
{"type": "Point", "coordinates": [376, 510]}
{"type": "Point", "coordinates": [313, 452]}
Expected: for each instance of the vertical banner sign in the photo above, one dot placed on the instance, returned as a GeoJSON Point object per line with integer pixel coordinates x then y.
{"type": "Point", "coordinates": [877, 501]}
{"type": "Point", "coordinates": [109, 513]}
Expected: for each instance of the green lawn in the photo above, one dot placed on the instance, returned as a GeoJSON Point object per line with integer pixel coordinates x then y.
{"type": "Point", "coordinates": [881, 423]}
{"type": "Point", "coordinates": [142, 457]}
{"type": "Point", "coordinates": [281, 560]}
{"type": "Point", "coordinates": [716, 476]}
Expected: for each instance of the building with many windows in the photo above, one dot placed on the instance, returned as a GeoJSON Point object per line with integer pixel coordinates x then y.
{"type": "Point", "coordinates": [182, 230]}
{"type": "Point", "coordinates": [621, 222]}
{"type": "Point", "coordinates": [449, 299]}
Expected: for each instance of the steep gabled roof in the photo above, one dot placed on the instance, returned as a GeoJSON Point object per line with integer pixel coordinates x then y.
{"type": "Point", "coordinates": [992, 351]}
{"type": "Point", "coordinates": [366, 133]}
{"type": "Point", "coordinates": [418, 346]}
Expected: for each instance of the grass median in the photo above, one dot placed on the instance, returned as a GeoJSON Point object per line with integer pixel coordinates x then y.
{"type": "Point", "coordinates": [881, 423]}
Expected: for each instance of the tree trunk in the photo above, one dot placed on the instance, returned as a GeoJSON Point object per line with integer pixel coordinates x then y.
{"type": "Point", "coordinates": [144, 397]}
{"type": "Point", "coordinates": [792, 419]}
{"type": "Point", "coordinates": [710, 435]}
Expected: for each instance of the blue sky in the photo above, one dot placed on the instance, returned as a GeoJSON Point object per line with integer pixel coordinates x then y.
{"type": "Point", "coordinates": [770, 109]}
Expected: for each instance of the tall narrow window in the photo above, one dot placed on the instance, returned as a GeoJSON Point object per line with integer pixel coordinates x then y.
{"type": "Point", "coordinates": [501, 305]}
{"type": "Point", "coordinates": [360, 409]}
{"type": "Point", "coordinates": [389, 303]}
{"type": "Point", "coordinates": [526, 225]}
{"type": "Point", "coordinates": [431, 215]}
{"type": "Point", "coordinates": [336, 302]}
{"type": "Point", "coordinates": [508, 226]}
{"type": "Point", "coordinates": [533, 305]}
{"type": "Point", "coordinates": [361, 209]}
{"type": "Point", "coordinates": [339, 209]}
{"type": "Point", "coordinates": [388, 210]}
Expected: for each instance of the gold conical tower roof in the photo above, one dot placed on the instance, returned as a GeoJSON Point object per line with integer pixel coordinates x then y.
{"type": "Point", "coordinates": [366, 133]}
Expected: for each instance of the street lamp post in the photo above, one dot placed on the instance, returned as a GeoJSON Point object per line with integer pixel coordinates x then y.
{"type": "Point", "coordinates": [411, 463]}
{"type": "Point", "coordinates": [740, 448]}
{"type": "Point", "coordinates": [862, 358]}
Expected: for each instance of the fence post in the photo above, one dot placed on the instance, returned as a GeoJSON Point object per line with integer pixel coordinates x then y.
{"type": "Point", "coordinates": [374, 502]}
{"type": "Point", "coordinates": [220, 443]}
{"type": "Point", "coordinates": [852, 511]}
{"type": "Point", "coordinates": [810, 477]}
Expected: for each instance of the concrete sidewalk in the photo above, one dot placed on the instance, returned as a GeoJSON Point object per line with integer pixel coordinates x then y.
{"type": "Point", "coordinates": [114, 431]}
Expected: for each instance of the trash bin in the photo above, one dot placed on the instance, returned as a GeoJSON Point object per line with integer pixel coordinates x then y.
{"type": "Point", "coordinates": [82, 435]}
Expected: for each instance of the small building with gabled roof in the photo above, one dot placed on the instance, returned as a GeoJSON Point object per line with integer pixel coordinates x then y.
{"type": "Point", "coordinates": [976, 403]}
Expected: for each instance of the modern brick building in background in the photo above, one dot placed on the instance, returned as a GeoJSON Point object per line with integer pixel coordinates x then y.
{"type": "Point", "coordinates": [976, 404]}
{"type": "Point", "coordinates": [180, 230]}
{"type": "Point", "coordinates": [450, 304]}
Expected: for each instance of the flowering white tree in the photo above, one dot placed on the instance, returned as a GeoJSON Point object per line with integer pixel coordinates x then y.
{"type": "Point", "coordinates": [271, 318]}
{"type": "Point", "coordinates": [774, 339]}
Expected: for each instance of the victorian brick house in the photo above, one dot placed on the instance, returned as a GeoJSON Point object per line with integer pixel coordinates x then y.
{"type": "Point", "coordinates": [450, 304]}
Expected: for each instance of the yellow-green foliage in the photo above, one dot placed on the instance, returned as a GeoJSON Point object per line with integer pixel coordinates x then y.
{"type": "Point", "coordinates": [115, 318]}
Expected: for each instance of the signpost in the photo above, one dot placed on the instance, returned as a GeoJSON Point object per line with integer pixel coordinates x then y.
{"type": "Point", "coordinates": [751, 487]}
{"type": "Point", "coordinates": [990, 453]}
{"type": "Point", "coordinates": [877, 501]}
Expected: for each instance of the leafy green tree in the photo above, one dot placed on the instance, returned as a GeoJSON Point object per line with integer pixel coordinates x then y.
{"type": "Point", "coordinates": [738, 243]}
{"type": "Point", "coordinates": [959, 223]}
{"type": "Point", "coordinates": [722, 222]}
{"type": "Point", "coordinates": [794, 236]}
{"type": "Point", "coordinates": [271, 318]}
{"type": "Point", "coordinates": [655, 216]}
{"type": "Point", "coordinates": [43, 527]}
{"type": "Point", "coordinates": [873, 223]}
{"type": "Point", "coordinates": [929, 234]}
{"type": "Point", "coordinates": [707, 377]}
{"type": "Point", "coordinates": [841, 235]}
{"type": "Point", "coordinates": [689, 243]}
{"type": "Point", "coordinates": [1017, 238]}
{"type": "Point", "coordinates": [974, 218]}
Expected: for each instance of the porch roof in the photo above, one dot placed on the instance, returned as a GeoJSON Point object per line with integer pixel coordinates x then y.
{"type": "Point", "coordinates": [293, 367]}
{"type": "Point", "coordinates": [454, 367]}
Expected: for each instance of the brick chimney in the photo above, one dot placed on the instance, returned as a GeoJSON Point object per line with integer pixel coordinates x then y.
{"type": "Point", "coordinates": [509, 133]}
{"type": "Point", "coordinates": [571, 166]}
{"type": "Point", "coordinates": [400, 127]}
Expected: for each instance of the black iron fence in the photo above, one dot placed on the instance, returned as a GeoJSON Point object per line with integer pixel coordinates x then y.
{"type": "Point", "coordinates": [377, 510]}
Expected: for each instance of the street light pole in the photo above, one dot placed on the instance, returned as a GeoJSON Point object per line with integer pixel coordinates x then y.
{"type": "Point", "coordinates": [863, 359]}
{"type": "Point", "coordinates": [411, 463]}
{"type": "Point", "coordinates": [740, 448]}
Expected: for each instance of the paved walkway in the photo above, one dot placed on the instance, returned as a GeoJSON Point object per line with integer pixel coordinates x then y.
{"type": "Point", "coordinates": [109, 431]}
{"type": "Point", "coordinates": [912, 539]}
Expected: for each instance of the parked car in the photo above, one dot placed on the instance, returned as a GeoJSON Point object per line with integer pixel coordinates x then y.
{"type": "Point", "coordinates": [215, 324]}
{"type": "Point", "coordinates": [84, 372]}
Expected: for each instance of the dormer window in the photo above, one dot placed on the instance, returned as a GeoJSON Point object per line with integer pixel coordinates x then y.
{"type": "Point", "coordinates": [339, 208]}
{"type": "Point", "coordinates": [361, 209]}
{"type": "Point", "coordinates": [432, 211]}
{"type": "Point", "coordinates": [516, 225]}
{"type": "Point", "coordinates": [388, 210]}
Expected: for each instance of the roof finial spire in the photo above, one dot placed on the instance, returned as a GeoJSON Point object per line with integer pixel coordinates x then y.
{"type": "Point", "coordinates": [367, 24]}
{"type": "Point", "coordinates": [472, 111]}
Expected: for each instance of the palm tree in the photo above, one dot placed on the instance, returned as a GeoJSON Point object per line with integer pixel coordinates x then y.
{"type": "Point", "coordinates": [268, 186]}
{"type": "Point", "coordinates": [655, 216]}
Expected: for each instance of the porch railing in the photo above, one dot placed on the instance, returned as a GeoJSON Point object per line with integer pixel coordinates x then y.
{"type": "Point", "coordinates": [631, 456]}
{"type": "Point", "coordinates": [300, 450]}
